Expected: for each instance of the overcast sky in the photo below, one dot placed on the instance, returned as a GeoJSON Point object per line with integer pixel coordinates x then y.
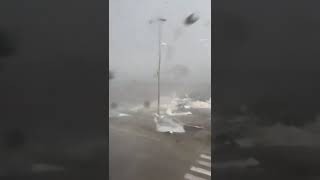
{"type": "Point", "coordinates": [133, 41]}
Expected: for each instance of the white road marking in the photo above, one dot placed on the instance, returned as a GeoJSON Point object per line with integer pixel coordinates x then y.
{"type": "Point", "coordinates": [192, 177]}
{"type": "Point", "coordinates": [205, 157]}
{"type": "Point", "coordinates": [200, 170]}
{"type": "Point", "coordinates": [203, 163]}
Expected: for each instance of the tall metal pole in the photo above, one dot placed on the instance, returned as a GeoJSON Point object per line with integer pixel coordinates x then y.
{"type": "Point", "coordinates": [159, 65]}
{"type": "Point", "coordinates": [159, 61]}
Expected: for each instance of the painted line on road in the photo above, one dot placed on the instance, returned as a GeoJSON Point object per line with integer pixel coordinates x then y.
{"type": "Point", "coordinates": [200, 170]}
{"type": "Point", "coordinates": [134, 133]}
{"type": "Point", "coordinates": [205, 157]}
{"type": "Point", "coordinates": [203, 163]}
{"type": "Point", "coordinates": [192, 177]}
{"type": "Point", "coordinates": [206, 152]}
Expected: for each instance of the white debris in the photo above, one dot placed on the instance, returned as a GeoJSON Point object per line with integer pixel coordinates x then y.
{"type": "Point", "coordinates": [187, 107]}
{"type": "Point", "coordinates": [166, 124]}
{"type": "Point", "coordinates": [123, 115]}
{"type": "Point", "coordinates": [174, 103]}
{"type": "Point", "coordinates": [188, 103]}
{"type": "Point", "coordinates": [114, 114]}
{"type": "Point", "coordinates": [194, 126]}
{"type": "Point", "coordinates": [170, 113]}
{"type": "Point", "coordinates": [200, 105]}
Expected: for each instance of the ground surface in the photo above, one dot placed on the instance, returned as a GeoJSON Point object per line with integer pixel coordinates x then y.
{"type": "Point", "coordinates": [139, 152]}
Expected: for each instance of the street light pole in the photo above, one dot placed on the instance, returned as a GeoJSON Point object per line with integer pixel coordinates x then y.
{"type": "Point", "coordinates": [160, 21]}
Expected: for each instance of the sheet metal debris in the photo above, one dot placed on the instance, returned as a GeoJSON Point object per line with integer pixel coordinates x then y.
{"type": "Point", "coordinates": [167, 124]}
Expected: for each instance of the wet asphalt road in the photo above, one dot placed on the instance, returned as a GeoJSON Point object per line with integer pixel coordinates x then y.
{"type": "Point", "coordinates": [138, 158]}
{"type": "Point", "coordinates": [138, 152]}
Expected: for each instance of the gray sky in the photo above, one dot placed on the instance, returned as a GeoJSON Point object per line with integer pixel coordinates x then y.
{"type": "Point", "coordinates": [133, 41]}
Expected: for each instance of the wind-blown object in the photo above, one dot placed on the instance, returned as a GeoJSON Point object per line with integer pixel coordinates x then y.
{"type": "Point", "coordinates": [191, 19]}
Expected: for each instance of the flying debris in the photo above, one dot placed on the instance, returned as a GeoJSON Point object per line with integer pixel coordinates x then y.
{"type": "Point", "coordinates": [162, 19]}
{"type": "Point", "coordinates": [158, 19]}
{"type": "Point", "coordinates": [191, 19]}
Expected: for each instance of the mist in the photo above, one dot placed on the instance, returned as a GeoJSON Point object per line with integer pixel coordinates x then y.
{"type": "Point", "coordinates": [134, 41]}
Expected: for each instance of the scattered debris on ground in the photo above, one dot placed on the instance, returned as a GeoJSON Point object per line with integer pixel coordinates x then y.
{"type": "Point", "coordinates": [123, 115]}
{"type": "Point", "coordinates": [167, 124]}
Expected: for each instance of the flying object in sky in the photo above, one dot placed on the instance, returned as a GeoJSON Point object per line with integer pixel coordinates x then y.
{"type": "Point", "coordinates": [191, 19]}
